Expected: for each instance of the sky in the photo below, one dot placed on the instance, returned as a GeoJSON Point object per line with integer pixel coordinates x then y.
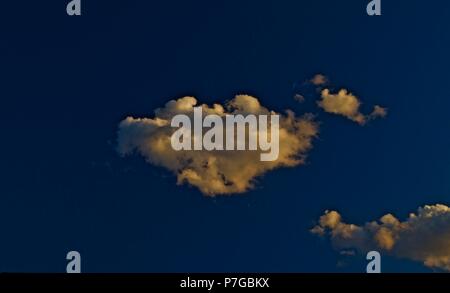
{"type": "Point", "coordinates": [66, 83]}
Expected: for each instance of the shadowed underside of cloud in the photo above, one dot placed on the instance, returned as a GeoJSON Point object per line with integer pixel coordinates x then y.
{"type": "Point", "coordinates": [424, 236]}
{"type": "Point", "coordinates": [215, 172]}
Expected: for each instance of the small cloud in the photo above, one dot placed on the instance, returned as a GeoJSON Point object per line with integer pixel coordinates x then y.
{"type": "Point", "coordinates": [319, 79]}
{"type": "Point", "coordinates": [378, 112]}
{"type": "Point", "coordinates": [423, 236]}
{"type": "Point", "coordinates": [318, 230]}
{"type": "Point", "coordinates": [299, 98]}
{"type": "Point", "coordinates": [343, 103]}
{"type": "Point", "coordinates": [348, 105]}
{"type": "Point", "coordinates": [347, 253]}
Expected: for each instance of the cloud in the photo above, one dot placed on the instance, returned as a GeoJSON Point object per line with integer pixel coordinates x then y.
{"type": "Point", "coordinates": [423, 237]}
{"type": "Point", "coordinates": [309, 87]}
{"type": "Point", "coordinates": [378, 111]}
{"type": "Point", "coordinates": [348, 105]}
{"type": "Point", "coordinates": [319, 79]}
{"type": "Point", "coordinates": [299, 98]}
{"type": "Point", "coordinates": [214, 172]}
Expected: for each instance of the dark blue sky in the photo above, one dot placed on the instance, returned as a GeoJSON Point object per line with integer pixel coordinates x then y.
{"type": "Point", "coordinates": [66, 83]}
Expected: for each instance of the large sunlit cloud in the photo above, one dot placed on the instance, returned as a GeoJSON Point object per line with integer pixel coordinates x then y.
{"type": "Point", "coordinates": [215, 172]}
{"type": "Point", "coordinates": [348, 105]}
{"type": "Point", "coordinates": [424, 236]}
